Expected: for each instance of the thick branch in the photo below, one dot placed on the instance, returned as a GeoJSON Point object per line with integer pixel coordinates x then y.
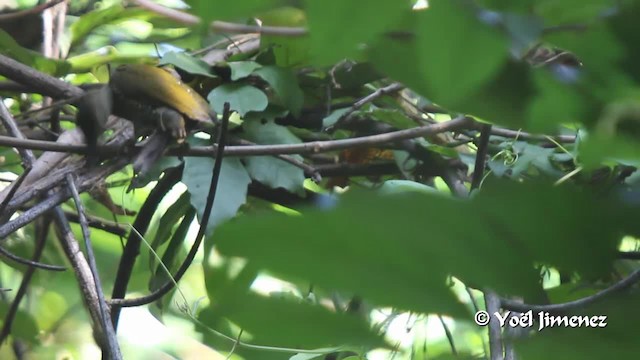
{"type": "Point", "coordinates": [45, 84]}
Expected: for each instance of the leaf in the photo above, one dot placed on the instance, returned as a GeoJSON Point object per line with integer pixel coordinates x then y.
{"type": "Point", "coordinates": [24, 327]}
{"type": "Point", "coordinates": [242, 69]}
{"type": "Point", "coordinates": [400, 186]}
{"type": "Point", "coordinates": [288, 51]}
{"type": "Point", "coordinates": [469, 55]}
{"type": "Point", "coordinates": [166, 224]}
{"type": "Point", "coordinates": [354, 76]}
{"type": "Point", "coordinates": [231, 192]}
{"type": "Point", "coordinates": [280, 322]}
{"type": "Point", "coordinates": [285, 84]}
{"type": "Point", "coordinates": [94, 19]}
{"type": "Point", "coordinates": [164, 163]}
{"type": "Point", "coordinates": [241, 98]}
{"type": "Point", "coordinates": [616, 340]}
{"type": "Point", "coordinates": [273, 172]}
{"type": "Point", "coordinates": [328, 20]}
{"type": "Point", "coordinates": [10, 48]}
{"type": "Point", "coordinates": [386, 242]}
{"type": "Point", "coordinates": [174, 248]}
{"type": "Point", "coordinates": [333, 117]}
{"type": "Point", "coordinates": [187, 63]}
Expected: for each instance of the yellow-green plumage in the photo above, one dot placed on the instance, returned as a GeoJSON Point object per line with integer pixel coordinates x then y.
{"type": "Point", "coordinates": [141, 82]}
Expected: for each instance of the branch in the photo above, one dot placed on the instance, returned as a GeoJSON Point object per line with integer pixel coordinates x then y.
{"type": "Point", "coordinates": [564, 307]}
{"type": "Point", "coordinates": [492, 302]}
{"type": "Point", "coordinates": [132, 248]}
{"type": "Point", "coordinates": [98, 223]}
{"type": "Point", "coordinates": [481, 154]}
{"type": "Point", "coordinates": [365, 100]}
{"type": "Point", "coordinates": [220, 26]}
{"type": "Point", "coordinates": [258, 150]}
{"type": "Point", "coordinates": [107, 327]}
{"type": "Point", "coordinates": [45, 84]}
{"type": "Point", "coordinates": [69, 245]}
{"type": "Point", "coordinates": [213, 187]}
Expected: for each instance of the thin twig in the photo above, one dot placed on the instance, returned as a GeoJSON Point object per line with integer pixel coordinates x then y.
{"type": "Point", "coordinates": [98, 223]}
{"type": "Point", "coordinates": [33, 11]}
{"type": "Point", "coordinates": [107, 327]}
{"type": "Point", "coordinates": [309, 170]}
{"type": "Point", "coordinates": [85, 282]}
{"type": "Point", "coordinates": [41, 237]}
{"type": "Point", "coordinates": [449, 335]}
{"type": "Point", "coordinates": [132, 248]}
{"type": "Point", "coordinates": [53, 199]}
{"type": "Point", "coordinates": [31, 263]}
{"type": "Point", "coordinates": [67, 239]}
{"type": "Point", "coordinates": [571, 305]}
{"type": "Point", "coordinates": [16, 184]}
{"type": "Point", "coordinates": [213, 187]}
{"type": "Point", "coordinates": [395, 87]}
{"type": "Point", "coordinates": [221, 26]}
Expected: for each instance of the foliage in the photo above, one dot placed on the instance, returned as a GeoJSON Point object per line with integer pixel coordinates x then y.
{"type": "Point", "coordinates": [391, 237]}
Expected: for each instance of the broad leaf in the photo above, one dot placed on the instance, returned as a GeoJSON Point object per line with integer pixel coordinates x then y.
{"type": "Point", "coordinates": [271, 171]}
{"type": "Point", "coordinates": [231, 192]}
{"type": "Point", "coordinates": [241, 98]}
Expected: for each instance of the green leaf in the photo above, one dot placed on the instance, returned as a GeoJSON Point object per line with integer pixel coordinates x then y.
{"type": "Point", "coordinates": [10, 48]}
{"type": "Point", "coordinates": [386, 242]}
{"type": "Point", "coordinates": [288, 51]}
{"type": "Point", "coordinates": [571, 11]}
{"type": "Point", "coordinates": [277, 321]}
{"type": "Point", "coordinates": [187, 63]}
{"type": "Point", "coordinates": [616, 340]}
{"type": "Point", "coordinates": [166, 224]}
{"type": "Point", "coordinates": [329, 19]}
{"type": "Point", "coordinates": [242, 98]}
{"type": "Point", "coordinates": [242, 69]}
{"type": "Point", "coordinates": [163, 164]}
{"type": "Point", "coordinates": [333, 117]}
{"type": "Point", "coordinates": [24, 327]}
{"type": "Point", "coordinates": [231, 192]}
{"type": "Point", "coordinates": [393, 117]}
{"type": "Point", "coordinates": [269, 170]}
{"type": "Point", "coordinates": [459, 62]}
{"type": "Point", "coordinates": [94, 19]}
{"type": "Point", "coordinates": [400, 186]}
{"type": "Point", "coordinates": [170, 255]}
{"type": "Point", "coordinates": [285, 84]}
{"type": "Point", "coordinates": [354, 76]}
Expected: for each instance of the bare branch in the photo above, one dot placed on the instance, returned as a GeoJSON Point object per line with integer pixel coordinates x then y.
{"type": "Point", "coordinates": [257, 150]}
{"type": "Point", "coordinates": [571, 305]}
{"type": "Point", "coordinates": [107, 327]}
